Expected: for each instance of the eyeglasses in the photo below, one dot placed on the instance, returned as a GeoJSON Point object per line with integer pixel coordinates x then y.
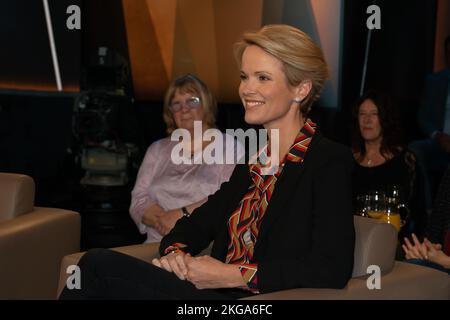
{"type": "Point", "coordinates": [191, 103]}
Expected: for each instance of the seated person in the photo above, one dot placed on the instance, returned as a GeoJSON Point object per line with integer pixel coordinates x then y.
{"type": "Point", "coordinates": [164, 190]}
{"type": "Point", "coordinates": [381, 160]}
{"type": "Point", "coordinates": [433, 153]}
{"type": "Point", "coordinates": [434, 253]}
{"type": "Point", "coordinates": [428, 254]}
{"type": "Point", "coordinates": [277, 225]}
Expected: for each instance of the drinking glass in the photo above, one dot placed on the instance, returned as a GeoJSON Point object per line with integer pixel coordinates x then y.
{"type": "Point", "coordinates": [377, 204]}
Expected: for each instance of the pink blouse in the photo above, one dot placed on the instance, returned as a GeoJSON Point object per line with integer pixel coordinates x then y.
{"type": "Point", "coordinates": [173, 186]}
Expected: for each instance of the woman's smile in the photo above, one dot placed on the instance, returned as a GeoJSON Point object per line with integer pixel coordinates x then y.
{"type": "Point", "coordinates": [253, 104]}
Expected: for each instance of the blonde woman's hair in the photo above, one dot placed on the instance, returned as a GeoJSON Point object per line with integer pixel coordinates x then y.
{"type": "Point", "coordinates": [302, 59]}
{"type": "Point", "coordinates": [189, 83]}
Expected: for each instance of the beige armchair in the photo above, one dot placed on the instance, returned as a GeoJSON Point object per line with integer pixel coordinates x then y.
{"type": "Point", "coordinates": [375, 244]}
{"type": "Point", "coordinates": [32, 241]}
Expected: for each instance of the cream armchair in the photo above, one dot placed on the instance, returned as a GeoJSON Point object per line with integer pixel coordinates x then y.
{"type": "Point", "coordinates": [32, 241]}
{"type": "Point", "coordinates": [375, 244]}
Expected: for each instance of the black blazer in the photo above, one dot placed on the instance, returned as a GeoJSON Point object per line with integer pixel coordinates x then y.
{"type": "Point", "coordinates": [306, 238]}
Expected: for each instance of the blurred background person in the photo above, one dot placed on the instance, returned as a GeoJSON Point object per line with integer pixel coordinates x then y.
{"type": "Point", "coordinates": [164, 191]}
{"type": "Point", "coordinates": [427, 253]}
{"type": "Point", "coordinates": [434, 251]}
{"type": "Point", "coordinates": [438, 226]}
{"type": "Point", "coordinates": [433, 153]}
{"type": "Point", "coordinates": [382, 162]}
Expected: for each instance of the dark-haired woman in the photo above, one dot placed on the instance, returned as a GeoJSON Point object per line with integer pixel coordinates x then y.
{"type": "Point", "coordinates": [382, 161]}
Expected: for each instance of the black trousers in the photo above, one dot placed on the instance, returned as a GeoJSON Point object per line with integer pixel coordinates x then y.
{"type": "Point", "coordinates": [106, 274]}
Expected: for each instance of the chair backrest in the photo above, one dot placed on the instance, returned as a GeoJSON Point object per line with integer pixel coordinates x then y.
{"type": "Point", "coordinates": [16, 195]}
{"type": "Point", "coordinates": [375, 244]}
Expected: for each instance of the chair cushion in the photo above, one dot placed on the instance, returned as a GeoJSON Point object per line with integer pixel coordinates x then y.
{"type": "Point", "coordinates": [16, 195]}
{"type": "Point", "coordinates": [375, 244]}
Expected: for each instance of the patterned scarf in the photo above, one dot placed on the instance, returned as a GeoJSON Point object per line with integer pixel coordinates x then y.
{"type": "Point", "coordinates": [244, 223]}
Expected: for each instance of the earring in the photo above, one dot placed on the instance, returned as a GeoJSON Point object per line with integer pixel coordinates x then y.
{"type": "Point", "coordinates": [297, 100]}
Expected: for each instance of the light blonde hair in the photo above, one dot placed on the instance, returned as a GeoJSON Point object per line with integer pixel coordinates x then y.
{"type": "Point", "coordinates": [192, 84]}
{"type": "Point", "coordinates": [302, 59]}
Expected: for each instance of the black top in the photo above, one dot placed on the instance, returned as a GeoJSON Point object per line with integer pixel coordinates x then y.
{"type": "Point", "coordinates": [306, 238]}
{"type": "Point", "coordinates": [400, 171]}
{"type": "Point", "coordinates": [396, 171]}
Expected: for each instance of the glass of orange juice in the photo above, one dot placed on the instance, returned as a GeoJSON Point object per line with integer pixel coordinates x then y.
{"type": "Point", "coordinates": [375, 214]}
{"type": "Point", "coordinates": [377, 204]}
{"type": "Point", "coordinates": [392, 215]}
{"type": "Point", "coordinates": [392, 218]}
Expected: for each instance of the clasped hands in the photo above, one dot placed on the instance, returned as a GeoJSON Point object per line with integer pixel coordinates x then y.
{"type": "Point", "coordinates": [163, 221]}
{"type": "Point", "coordinates": [425, 251]}
{"type": "Point", "coordinates": [203, 272]}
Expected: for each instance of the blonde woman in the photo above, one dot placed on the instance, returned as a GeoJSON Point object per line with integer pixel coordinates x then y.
{"type": "Point", "coordinates": [292, 228]}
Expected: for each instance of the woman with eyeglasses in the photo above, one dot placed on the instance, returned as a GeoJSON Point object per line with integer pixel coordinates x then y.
{"type": "Point", "coordinates": [290, 227]}
{"type": "Point", "coordinates": [167, 190]}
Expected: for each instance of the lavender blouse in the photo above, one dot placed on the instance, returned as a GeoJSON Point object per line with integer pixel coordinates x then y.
{"type": "Point", "coordinates": [171, 185]}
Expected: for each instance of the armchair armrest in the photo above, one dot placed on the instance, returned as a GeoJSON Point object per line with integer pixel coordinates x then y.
{"type": "Point", "coordinates": [32, 246]}
{"type": "Point", "coordinates": [405, 281]}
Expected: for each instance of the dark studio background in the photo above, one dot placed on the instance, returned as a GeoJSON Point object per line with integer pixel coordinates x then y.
{"type": "Point", "coordinates": [401, 54]}
{"type": "Point", "coordinates": [36, 136]}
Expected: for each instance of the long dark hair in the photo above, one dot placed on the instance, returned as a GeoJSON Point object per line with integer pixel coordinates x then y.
{"type": "Point", "coordinates": [392, 134]}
